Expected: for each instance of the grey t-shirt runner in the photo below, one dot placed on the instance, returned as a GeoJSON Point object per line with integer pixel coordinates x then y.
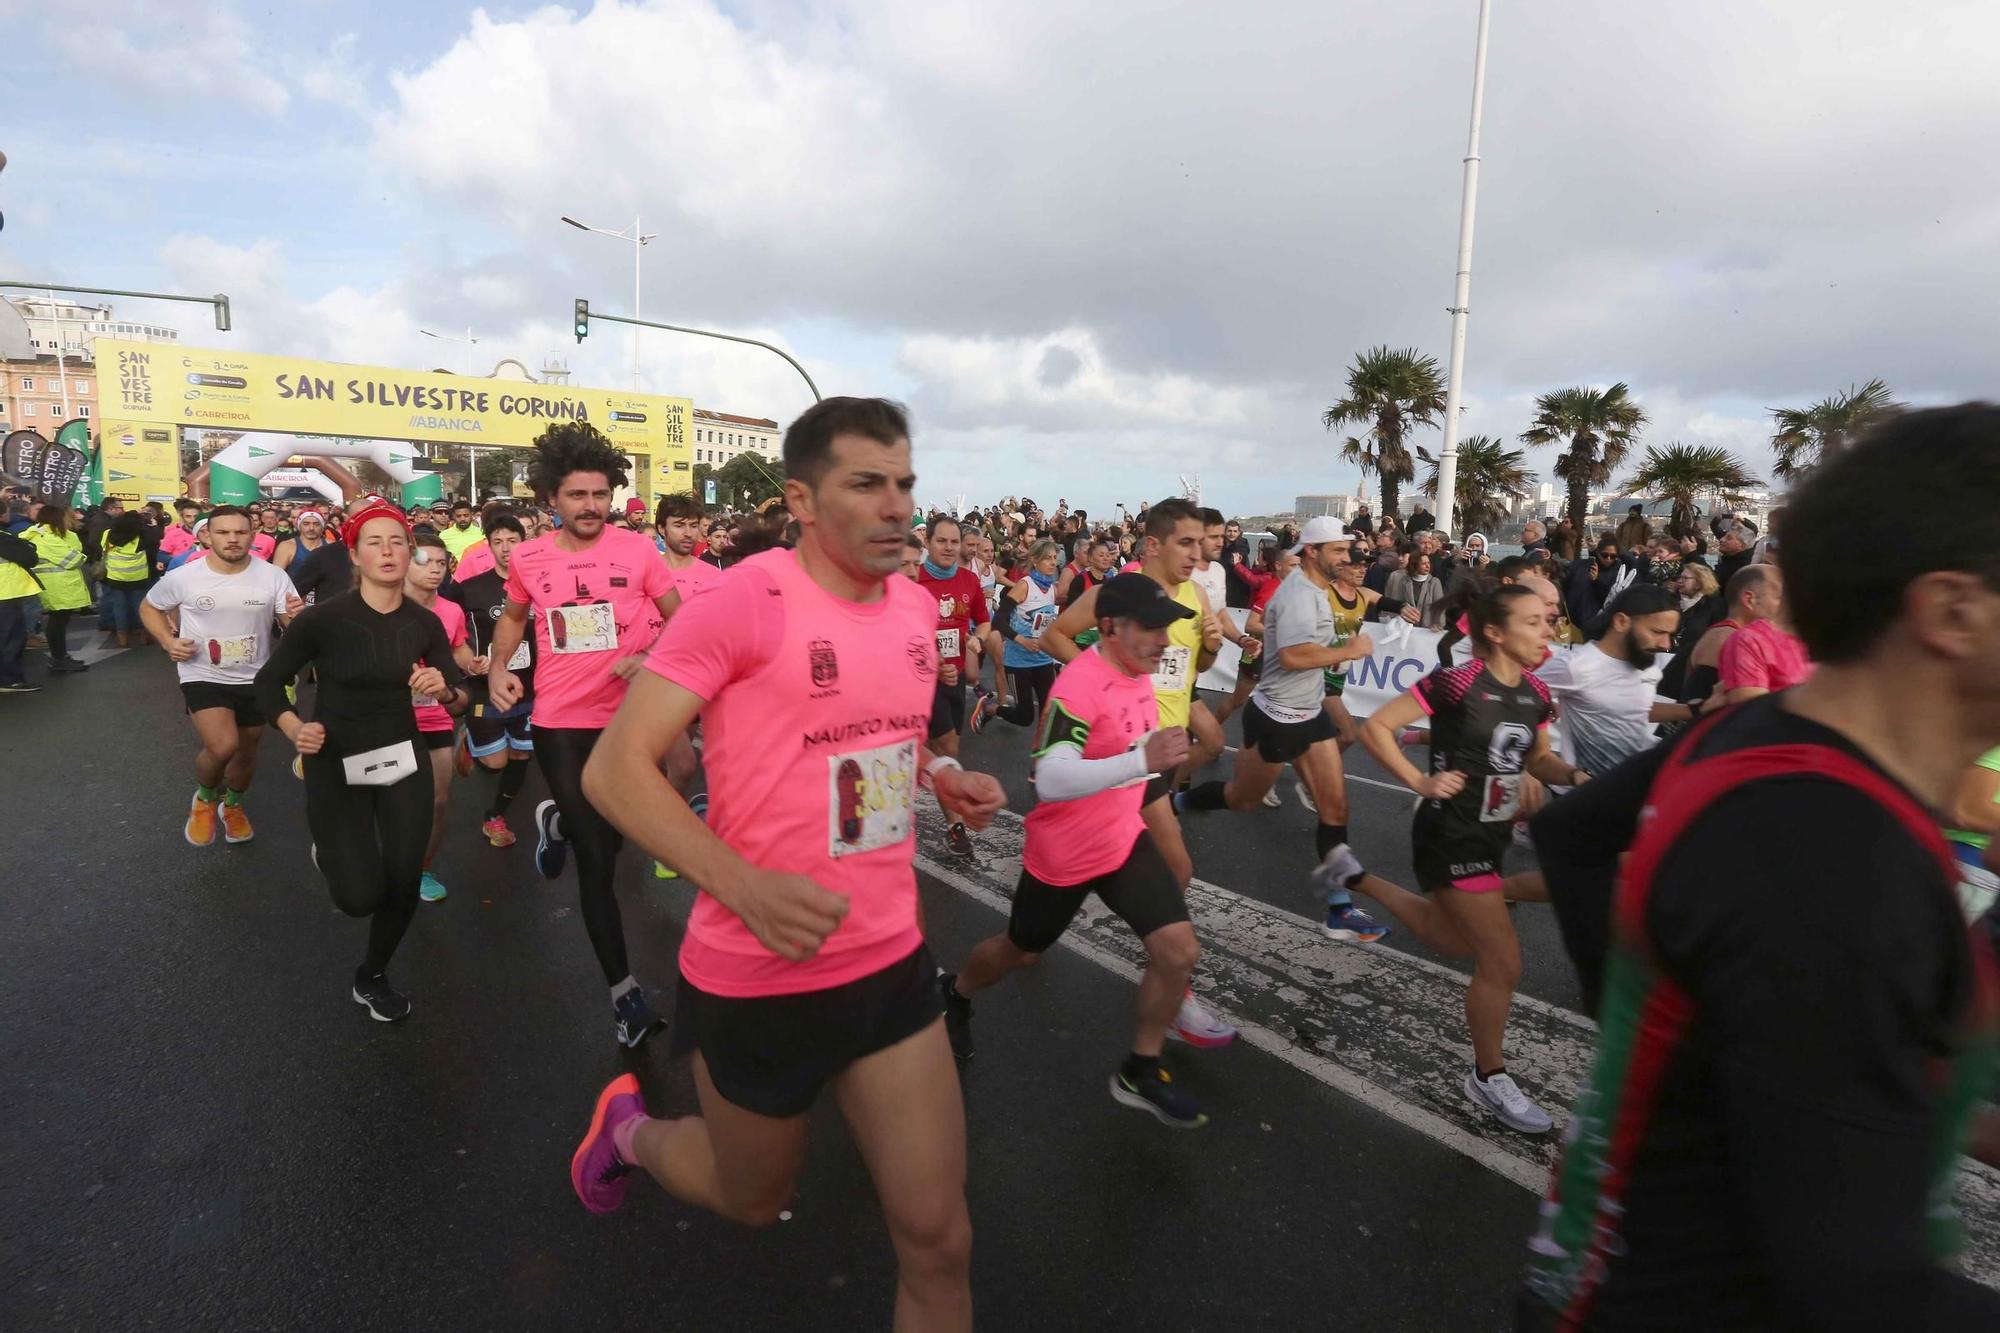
{"type": "Point", "coordinates": [1297, 613]}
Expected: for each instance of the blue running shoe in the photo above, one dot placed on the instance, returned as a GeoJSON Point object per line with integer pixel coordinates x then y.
{"type": "Point", "coordinates": [429, 889]}
{"type": "Point", "coordinates": [699, 804]}
{"type": "Point", "coordinates": [633, 1020]}
{"type": "Point", "coordinates": [1153, 1092]}
{"type": "Point", "coordinates": [551, 848]}
{"type": "Point", "coordinates": [1345, 921]}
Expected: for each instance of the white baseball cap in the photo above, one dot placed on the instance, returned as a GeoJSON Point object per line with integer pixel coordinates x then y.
{"type": "Point", "coordinates": [1319, 531]}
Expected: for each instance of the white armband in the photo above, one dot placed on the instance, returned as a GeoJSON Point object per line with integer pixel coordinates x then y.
{"type": "Point", "coordinates": [938, 762]}
{"type": "Point", "coordinates": [1063, 774]}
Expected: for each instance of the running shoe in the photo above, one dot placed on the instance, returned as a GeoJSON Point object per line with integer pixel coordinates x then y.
{"type": "Point", "coordinates": [1196, 1026]}
{"type": "Point", "coordinates": [984, 709]}
{"type": "Point", "coordinates": [1337, 871]}
{"type": "Point", "coordinates": [1272, 800]}
{"type": "Point", "coordinates": [1345, 921]}
{"type": "Point", "coordinates": [551, 848]}
{"type": "Point", "coordinates": [956, 838]}
{"type": "Point", "coordinates": [69, 665]}
{"type": "Point", "coordinates": [429, 889]}
{"type": "Point", "coordinates": [1500, 1096]}
{"type": "Point", "coordinates": [20, 687]}
{"type": "Point", "coordinates": [1154, 1093]}
{"type": "Point", "coordinates": [497, 832]}
{"type": "Point", "coordinates": [200, 828]}
{"type": "Point", "coordinates": [699, 804]}
{"type": "Point", "coordinates": [383, 1002]}
{"type": "Point", "coordinates": [461, 753]}
{"type": "Point", "coordinates": [661, 870]}
{"type": "Point", "coordinates": [596, 1172]}
{"type": "Point", "coordinates": [236, 824]}
{"type": "Point", "coordinates": [957, 1016]}
{"type": "Point", "coordinates": [634, 1018]}
{"type": "Point", "coordinates": [1304, 793]}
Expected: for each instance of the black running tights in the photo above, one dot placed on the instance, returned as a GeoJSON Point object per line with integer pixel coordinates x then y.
{"type": "Point", "coordinates": [1031, 690]}
{"type": "Point", "coordinates": [370, 842]}
{"type": "Point", "coordinates": [562, 753]}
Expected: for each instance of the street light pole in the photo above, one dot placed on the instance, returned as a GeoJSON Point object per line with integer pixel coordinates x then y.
{"type": "Point", "coordinates": [639, 240]}
{"type": "Point", "coordinates": [710, 333]}
{"type": "Point", "coordinates": [1462, 293]}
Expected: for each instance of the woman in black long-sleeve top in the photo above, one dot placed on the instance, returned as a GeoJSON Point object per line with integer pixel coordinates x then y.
{"type": "Point", "coordinates": [368, 782]}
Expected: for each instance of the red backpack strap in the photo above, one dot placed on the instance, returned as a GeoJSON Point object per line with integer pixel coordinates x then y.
{"type": "Point", "coordinates": [1686, 786]}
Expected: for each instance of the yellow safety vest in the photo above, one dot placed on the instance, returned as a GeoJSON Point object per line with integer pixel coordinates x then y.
{"type": "Point", "coordinates": [125, 564]}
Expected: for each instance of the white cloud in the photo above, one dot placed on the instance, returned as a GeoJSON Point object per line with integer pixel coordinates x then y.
{"type": "Point", "coordinates": [184, 52]}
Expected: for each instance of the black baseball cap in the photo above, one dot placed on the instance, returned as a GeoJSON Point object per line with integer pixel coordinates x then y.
{"type": "Point", "coordinates": [1140, 598]}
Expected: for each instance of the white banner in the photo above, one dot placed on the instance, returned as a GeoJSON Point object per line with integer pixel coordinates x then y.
{"type": "Point", "coordinates": [1403, 655]}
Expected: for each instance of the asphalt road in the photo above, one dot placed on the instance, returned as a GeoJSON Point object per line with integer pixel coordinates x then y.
{"type": "Point", "coordinates": [205, 1131]}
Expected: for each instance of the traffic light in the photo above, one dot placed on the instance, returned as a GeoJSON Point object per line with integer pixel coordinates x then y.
{"type": "Point", "coordinates": [582, 319]}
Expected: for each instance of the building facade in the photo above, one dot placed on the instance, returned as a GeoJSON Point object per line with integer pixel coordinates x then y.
{"type": "Point", "coordinates": [1342, 507]}
{"type": "Point", "coordinates": [71, 329]}
{"type": "Point", "coordinates": [39, 395]}
{"type": "Point", "coordinates": [719, 437]}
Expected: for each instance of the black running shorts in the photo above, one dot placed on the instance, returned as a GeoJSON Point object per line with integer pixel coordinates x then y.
{"type": "Point", "coordinates": [1451, 850]}
{"type": "Point", "coordinates": [1143, 892]}
{"type": "Point", "coordinates": [947, 711]}
{"type": "Point", "coordinates": [202, 695]}
{"type": "Point", "coordinates": [771, 1054]}
{"type": "Point", "coordinates": [1281, 742]}
{"type": "Point", "coordinates": [438, 740]}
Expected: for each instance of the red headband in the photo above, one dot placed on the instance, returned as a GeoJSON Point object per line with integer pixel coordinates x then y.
{"type": "Point", "coordinates": [354, 525]}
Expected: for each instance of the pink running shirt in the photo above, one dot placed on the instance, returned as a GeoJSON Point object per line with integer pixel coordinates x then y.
{"type": "Point", "coordinates": [433, 717]}
{"type": "Point", "coordinates": [697, 577]}
{"type": "Point", "coordinates": [1098, 707]}
{"type": "Point", "coordinates": [816, 709]}
{"type": "Point", "coordinates": [263, 545]}
{"type": "Point", "coordinates": [478, 558]}
{"type": "Point", "coordinates": [596, 606]}
{"type": "Point", "coordinates": [1762, 656]}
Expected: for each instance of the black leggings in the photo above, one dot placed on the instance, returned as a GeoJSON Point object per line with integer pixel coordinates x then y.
{"type": "Point", "coordinates": [370, 843]}
{"type": "Point", "coordinates": [562, 753]}
{"type": "Point", "coordinates": [55, 628]}
{"type": "Point", "coordinates": [1031, 690]}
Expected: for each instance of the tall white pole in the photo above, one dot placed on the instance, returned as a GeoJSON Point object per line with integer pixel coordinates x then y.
{"type": "Point", "coordinates": [638, 248]}
{"type": "Point", "coordinates": [62, 371]}
{"type": "Point", "coordinates": [1462, 293]}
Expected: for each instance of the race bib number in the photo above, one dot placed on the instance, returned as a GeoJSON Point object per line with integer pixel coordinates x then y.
{"type": "Point", "coordinates": [582, 629]}
{"type": "Point", "coordinates": [947, 640]}
{"type": "Point", "coordinates": [871, 798]}
{"type": "Point", "coordinates": [239, 651]}
{"type": "Point", "coordinates": [1500, 800]}
{"type": "Point", "coordinates": [1171, 676]}
{"type": "Point", "coordinates": [521, 658]}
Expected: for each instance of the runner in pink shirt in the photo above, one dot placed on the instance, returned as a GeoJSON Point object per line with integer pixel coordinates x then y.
{"type": "Point", "coordinates": [429, 561]}
{"type": "Point", "coordinates": [1101, 741]}
{"type": "Point", "coordinates": [1761, 658]}
{"type": "Point", "coordinates": [813, 671]}
{"type": "Point", "coordinates": [602, 596]}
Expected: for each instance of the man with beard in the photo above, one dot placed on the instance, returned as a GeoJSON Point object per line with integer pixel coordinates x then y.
{"type": "Point", "coordinates": [1606, 689]}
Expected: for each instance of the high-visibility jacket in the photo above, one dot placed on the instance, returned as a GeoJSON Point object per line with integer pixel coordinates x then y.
{"type": "Point", "coordinates": [125, 564]}
{"type": "Point", "coordinates": [60, 568]}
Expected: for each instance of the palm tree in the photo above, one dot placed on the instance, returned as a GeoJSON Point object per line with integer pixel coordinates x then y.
{"type": "Point", "coordinates": [1487, 470]}
{"type": "Point", "coordinates": [1807, 436]}
{"type": "Point", "coordinates": [1680, 472]}
{"type": "Point", "coordinates": [1394, 390]}
{"type": "Point", "coordinates": [1600, 425]}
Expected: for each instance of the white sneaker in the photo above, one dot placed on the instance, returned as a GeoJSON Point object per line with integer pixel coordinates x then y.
{"type": "Point", "coordinates": [1198, 1027]}
{"type": "Point", "coordinates": [1336, 870]}
{"type": "Point", "coordinates": [1499, 1095]}
{"type": "Point", "coordinates": [1306, 798]}
{"type": "Point", "coordinates": [1271, 801]}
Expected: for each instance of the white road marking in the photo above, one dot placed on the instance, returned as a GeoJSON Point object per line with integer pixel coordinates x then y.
{"type": "Point", "coordinates": [1383, 1027]}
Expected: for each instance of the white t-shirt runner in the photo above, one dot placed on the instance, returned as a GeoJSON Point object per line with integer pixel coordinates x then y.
{"type": "Point", "coordinates": [1604, 703]}
{"type": "Point", "coordinates": [230, 617]}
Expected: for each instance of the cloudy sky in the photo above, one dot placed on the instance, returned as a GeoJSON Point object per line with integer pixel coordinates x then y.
{"type": "Point", "coordinates": [1093, 246]}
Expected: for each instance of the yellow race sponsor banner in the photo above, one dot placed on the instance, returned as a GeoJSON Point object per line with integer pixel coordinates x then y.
{"type": "Point", "coordinates": [193, 386]}
{"type": "Point", "coordinates": [141, 460]}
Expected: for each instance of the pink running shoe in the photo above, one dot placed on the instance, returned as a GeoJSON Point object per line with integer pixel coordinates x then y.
{"type": "Point", "coordinates": [497, 832]}
{"type": "Point", "coordinates": [596, 1171]}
